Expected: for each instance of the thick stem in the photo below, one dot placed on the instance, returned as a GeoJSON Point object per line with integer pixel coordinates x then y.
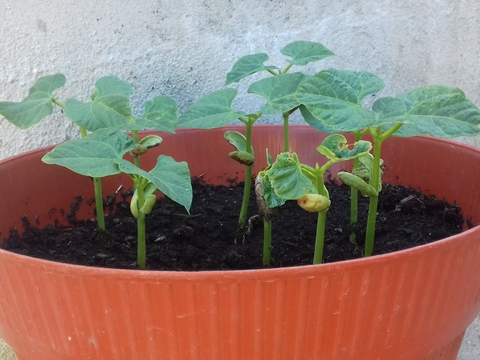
{"type": "Point", "coordinates": [286, 146]}
{"type": "Point", "coordinates": [141, 242]}
{"type": "Point", "coordinates": [248, 181]}
{"type": "Point", "coordinates": [267, 242]}
{"type": "Point", "coordinates": [97, 185]}
{"type": "Point", "coordinates": [372, 209]}
{"type": "Point", "coordinates": [320, 238]}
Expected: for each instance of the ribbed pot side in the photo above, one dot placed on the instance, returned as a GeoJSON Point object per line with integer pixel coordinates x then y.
{"type": "Point", "coordinates": [410, 305]}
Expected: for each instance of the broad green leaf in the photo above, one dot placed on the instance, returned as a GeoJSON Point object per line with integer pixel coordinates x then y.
{"type": "Point", "coordinates": [279, 91]}
{"type": "Point", "coordinates": [110, 106]}
{"type": "Point", "coordinates": [170, 177]}
{"type": "Point", "coordinates": [287, 179]}
{"type": "Point", "coordinates": [36, 106]}
{"type": "Point", "coordinates": [211, 111]}
{"type": "Point", "coordinates": [238, 140]}
{"type": "Point", "coordinates": [161, 114]}
{"type": "Point", "coordinates": [304, 52]}
{"type": "Point", "coordinates": [246, 66]}
{"type": "Point", "coordinates": [334, 98]}
{"type": "Point", "coordinates": [435, 110]}
{"type": "Point", "coordinates": [95, 155]}
{"type": "Point", "coordinates": [335, 147]}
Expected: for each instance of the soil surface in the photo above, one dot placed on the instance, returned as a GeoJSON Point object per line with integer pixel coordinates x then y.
{"type": "Point", "coordinates": [205, 238]}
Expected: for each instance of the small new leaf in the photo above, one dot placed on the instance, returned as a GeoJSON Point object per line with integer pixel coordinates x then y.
{"type": "Point", "coordinates": [36, 106]}
{"type": "Point", "coordinates": [335, 147]}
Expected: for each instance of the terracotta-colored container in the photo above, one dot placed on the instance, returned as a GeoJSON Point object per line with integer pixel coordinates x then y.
{"type": "Point", "coordinates": [410, 305]}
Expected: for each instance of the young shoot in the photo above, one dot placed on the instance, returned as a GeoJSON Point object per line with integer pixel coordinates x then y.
{"type": "Point", "coordinates": [215, 110]}
{"type": "Point", "coordinates": [289, 179]}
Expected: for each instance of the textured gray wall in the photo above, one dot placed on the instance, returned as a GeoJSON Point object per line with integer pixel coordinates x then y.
{"type": "Point", "coordinates": [184, 48]}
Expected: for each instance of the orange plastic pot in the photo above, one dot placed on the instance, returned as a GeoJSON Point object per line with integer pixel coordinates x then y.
{"type": "Point", "coordinates": [410, 305]}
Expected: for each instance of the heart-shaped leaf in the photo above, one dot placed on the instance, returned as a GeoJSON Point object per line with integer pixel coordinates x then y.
{"type": "Point", "coordinates": [334, 98]}
{"type": "Point", "coordinates": [335, 147]}
{"type": "Point", "coordinates": [304, 52]}
{"type": "Point", "coordinates": [36, 106]}
{"type": "Point", "coordinates": [109, 108]}
{"type": "Point", "coordinates": [169, 176]}
{"type": "Point", "coordinates": [211, 111]}
{"type": "Point", "coordinates": [246, 66]}
{"type": "Point", "coordinates": [95, 155]}
{"type": "Point", "coordinates": [279, 91]}
{"type": "Point", "coordinates": [436, 110]}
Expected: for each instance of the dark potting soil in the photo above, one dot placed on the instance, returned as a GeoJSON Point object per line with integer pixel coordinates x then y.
{"type": "Point", "coordinates": [205, 238]}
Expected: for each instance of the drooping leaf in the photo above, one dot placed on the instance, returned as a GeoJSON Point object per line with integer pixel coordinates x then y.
{"type": "Point", "coordinates": [169, 176]}
{"type": "Point", "coordinates": [246, 66]}
{"type": "Point", "coordinates": [335, 147]}
{"type": "Point", "coordinates": [287, 179]}
{"type": "Point", "coordinates": [334, 98]}
{"type": "Point", "coordinates": [110, 106]}
{"type": "Point", "coordinates": [212, 111]}
{"type": "Point", "coordinates": [279, 91]}
{"type": "Point", "coordinates": [436, 110]}
{"type": "Point", "coordinates": [95, 155]}
{"type": "Point", "coordinates": [304, 52]}
{"type": "Point", "coordinates": [36, 106]}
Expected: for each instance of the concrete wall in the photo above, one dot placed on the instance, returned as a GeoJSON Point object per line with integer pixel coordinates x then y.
{"type": "Point", "coordinates": [184, 48]}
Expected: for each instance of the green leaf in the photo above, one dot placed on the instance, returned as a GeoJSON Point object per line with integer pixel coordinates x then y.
{"type": "Point", "coordinates": [169, 176]}
{"type": "Point", "coordinates": [312, 121]}
{"type": "Point", "coordinates": [161, 114]}
{"type": "Point", "coordinates": [246, 66]}
{"type": "Point", "coordinates": [304, 52]}
{"type": "Point", "coordinates": [435, 110]}
{"type": "Point", "coordinates": [335, 147]}
{"type": "Point", "coordinates": [287, 179]}
{"type": "Point", "coordinates": [238, 140]}
{"type": "Point", "coordinates": [110, 105]}
{"type": "Point", "coordinates": [95, 155]}
{"type": "Point", "coordinates": [211, 111]}
{"type": "Point", "coordinates": [334, 97]}
{"type": "Point", "coordinates": [36, 106]}
{"type": "Point", "coordinates": [279, 91]}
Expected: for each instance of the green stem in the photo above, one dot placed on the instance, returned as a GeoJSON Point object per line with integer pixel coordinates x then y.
{"type": "Point", "coordinates": [372, 209]}
{"type": "Point", "coordinates": [58, 103]}
{"type": "Point", "coordinates": [248, 180]}
{"type": "Point", "coordinates": [286, 146]}
{"type": "Point", "coordinates": [320, 238]}
{"type": "Point", "coordinates": [287, 68]}
{"type": "Point", "coordinates": [267, 242]}
{"type": "Point", "coordinates": [141, 242]}
{"type": "Point", "coordinates": [354, 196]}
{"type": "Point", "coordinates": [97, 185]}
